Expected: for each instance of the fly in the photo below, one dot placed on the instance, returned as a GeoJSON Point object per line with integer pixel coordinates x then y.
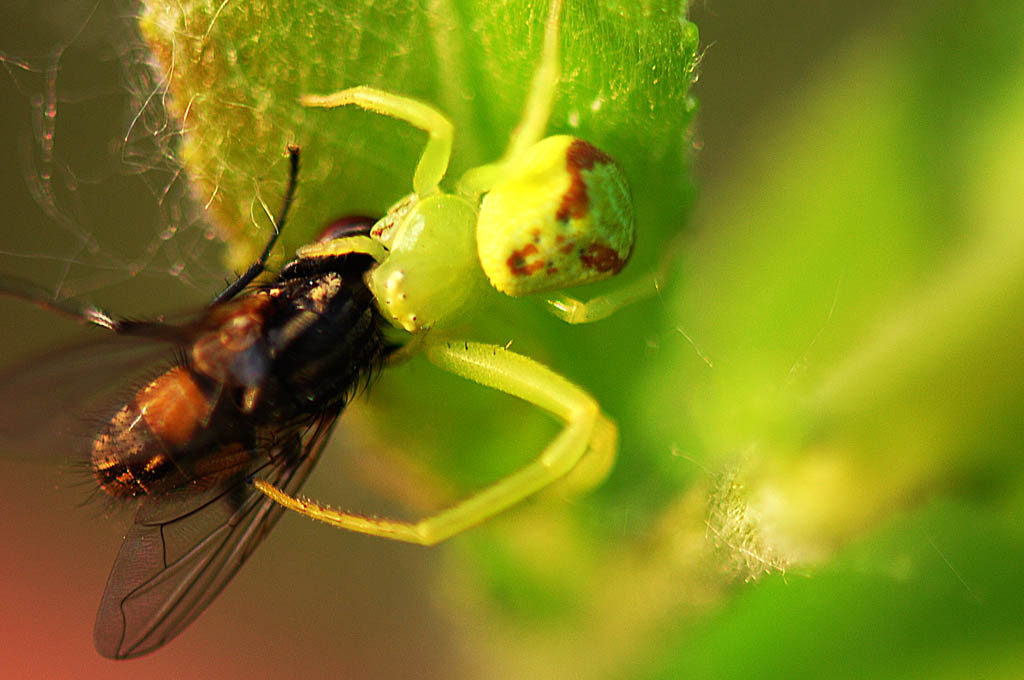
{"type": "Point", "coordinates": [261, 376]}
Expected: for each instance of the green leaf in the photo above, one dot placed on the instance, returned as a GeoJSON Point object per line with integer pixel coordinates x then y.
{"type": "Point", "coordinates": [235, 71]}
{"type": "Point", "coordinates": [858, 287]}
{"type": "Point", "coordinates": [936, 595]}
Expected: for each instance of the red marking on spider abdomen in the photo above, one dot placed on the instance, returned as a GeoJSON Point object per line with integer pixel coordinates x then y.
{"type": "Point", "coordinates": [520, 264]}
{"type": "Point", "coordinates": [579, 156]}
{"type": "Point", "coordinates": [601, 258]}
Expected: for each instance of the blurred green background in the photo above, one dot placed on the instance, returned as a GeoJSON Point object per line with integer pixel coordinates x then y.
{"type": "Point", "coordinates": [820, 414]}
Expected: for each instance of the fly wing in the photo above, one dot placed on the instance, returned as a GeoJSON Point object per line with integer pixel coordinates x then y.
{"type": "Point", "coordinates": [181, 552]}
{"type": "Point", "coordinates": [52, 405]}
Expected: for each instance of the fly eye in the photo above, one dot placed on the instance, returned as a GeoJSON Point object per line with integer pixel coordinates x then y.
{"type": "Point", "coordinates": [353, 225]}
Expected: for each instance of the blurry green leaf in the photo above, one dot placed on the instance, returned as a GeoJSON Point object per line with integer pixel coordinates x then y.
{"type": "Point", "coordinates": [936, 595]}
{"type": "Point", "coordinates": [858, 288]}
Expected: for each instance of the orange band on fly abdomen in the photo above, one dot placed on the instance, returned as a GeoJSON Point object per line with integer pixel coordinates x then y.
{"type": "Point", "coordinates": [173, 406]}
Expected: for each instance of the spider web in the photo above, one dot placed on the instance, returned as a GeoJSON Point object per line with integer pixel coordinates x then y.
{"type": "Point", "coordinates": [99, 208]}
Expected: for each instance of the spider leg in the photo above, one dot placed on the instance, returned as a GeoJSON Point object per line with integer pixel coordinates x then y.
{"type": "Point", "coordinates": [588, 437]}
{"type": "Point", "coordinates": [433, 162]}
{"type": "Point", "coordinates": [535, 116]}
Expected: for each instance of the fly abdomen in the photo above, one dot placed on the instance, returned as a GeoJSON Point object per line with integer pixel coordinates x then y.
{"type": "Point", "coordinates": [137, 451]}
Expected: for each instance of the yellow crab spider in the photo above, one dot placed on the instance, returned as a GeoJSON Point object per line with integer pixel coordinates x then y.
{"type": "Point", "coordinates": [551, 213]}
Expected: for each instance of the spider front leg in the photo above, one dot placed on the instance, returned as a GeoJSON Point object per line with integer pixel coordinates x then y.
{"type": "Point", "coordinates": [586, 431]}
{"type": "Point", "coordinates": [434, 162]}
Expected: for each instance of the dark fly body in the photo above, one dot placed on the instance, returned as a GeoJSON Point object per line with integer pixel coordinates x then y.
{"type": "Point", "coordinates": [260, 377]}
